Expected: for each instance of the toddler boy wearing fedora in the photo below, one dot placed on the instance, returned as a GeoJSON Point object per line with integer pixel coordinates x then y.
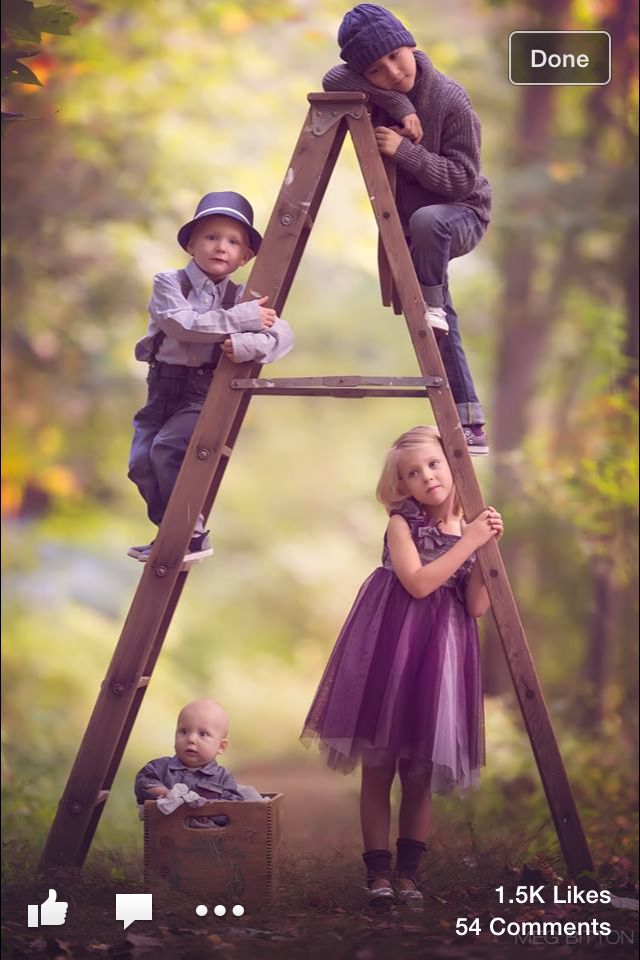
{"type": "Point", "coordinates": [195, 316]}
{"type": "Point", "coordinates": [425, 121]}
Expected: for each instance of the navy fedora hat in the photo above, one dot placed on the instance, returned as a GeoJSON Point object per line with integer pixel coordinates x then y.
{"type": "Point", "coordinates": [228, 204]}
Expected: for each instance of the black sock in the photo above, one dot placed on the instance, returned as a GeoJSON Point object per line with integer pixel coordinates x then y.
{"type": "Point", "coordinates": [408, 859]}
{"type": "Point", "coordinates": [378, 864]}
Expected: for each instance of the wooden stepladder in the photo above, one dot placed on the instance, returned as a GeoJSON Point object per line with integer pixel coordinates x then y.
{"type": "Point", "coordinates": [329, 118]}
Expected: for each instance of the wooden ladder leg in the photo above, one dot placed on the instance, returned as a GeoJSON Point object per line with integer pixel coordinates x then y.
{"type": "Point", "coordinates": [53, 855]}
{"type": "Point", "coordinates": [287, 233]}
{"type": "Point", "coordinates": [388, 290]}
{"type": "Point", "coordinates": [514, 643]}
{"type": "Point", "coordinates": [232, 436]}
{"type": "Point", "coordinates": [132, 714]}
{"type": "Point", "coordinates": [384, 270]}
{"type": "Point", "coordinates": [159, 588]}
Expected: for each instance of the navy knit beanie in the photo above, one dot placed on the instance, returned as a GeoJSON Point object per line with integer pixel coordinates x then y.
{"type": "Point", "coordinates": [367, 33]}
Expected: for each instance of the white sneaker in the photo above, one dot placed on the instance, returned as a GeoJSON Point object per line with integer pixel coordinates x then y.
{"type": "Point", "coordinates": [437, 318]}
{"type": "Point", "coordinates": [380, 894]}
{"type": "Point", "coordinates": [407, 893]}
{"type": "Point", "coordinates": [199, 547]}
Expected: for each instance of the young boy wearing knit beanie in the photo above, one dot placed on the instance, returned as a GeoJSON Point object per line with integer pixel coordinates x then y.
{"type": "Point", "coordinates": [426, 123]}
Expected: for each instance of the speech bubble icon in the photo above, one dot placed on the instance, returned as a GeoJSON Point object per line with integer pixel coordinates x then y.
{"type": "Point", "coordinates": [133, 906]}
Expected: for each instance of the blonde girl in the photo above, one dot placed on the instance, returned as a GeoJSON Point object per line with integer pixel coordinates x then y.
{"type": "Point", "coordinates": [402, 692]}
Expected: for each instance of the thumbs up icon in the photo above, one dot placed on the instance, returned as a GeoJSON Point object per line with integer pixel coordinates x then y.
{"type": "Point", "coordinates": [52, 912]}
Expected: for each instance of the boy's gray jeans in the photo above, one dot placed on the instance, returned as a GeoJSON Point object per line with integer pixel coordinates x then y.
{"type": "Point", "coordinates": [438, 234]}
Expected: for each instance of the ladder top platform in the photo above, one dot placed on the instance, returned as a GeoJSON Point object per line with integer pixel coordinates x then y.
{"type": "Point", "coordinates": [339, 96]}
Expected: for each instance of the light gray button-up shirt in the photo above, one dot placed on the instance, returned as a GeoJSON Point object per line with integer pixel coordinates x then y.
{"type": "Point", "coordinates": [194, 323]}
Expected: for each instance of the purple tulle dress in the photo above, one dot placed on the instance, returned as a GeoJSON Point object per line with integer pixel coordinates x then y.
{"type": "Point", "coordinates": [403, 680]}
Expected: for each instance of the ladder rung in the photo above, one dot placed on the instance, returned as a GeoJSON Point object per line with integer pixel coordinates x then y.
{"type": "Point", "coordinates": [101, 798]}
{"type": "Point", "coordinates": [227, 451]}
{"type": "Point", "coordinates": [343, 392]}
{"type": "Point", "coordinates": [142, 682]}
{"type": "Point", "coordinates": [346, 386]}
{"type": "Point", "coordinates": [346, 380]}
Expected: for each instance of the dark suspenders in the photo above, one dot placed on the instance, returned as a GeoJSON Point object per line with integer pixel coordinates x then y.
{"type": "Point", "coordinates": [228, 301]}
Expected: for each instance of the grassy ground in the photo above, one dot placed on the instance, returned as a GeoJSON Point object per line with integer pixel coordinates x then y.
{"type": "Point", "coordinates": [321, 913]}
{"type": "Point", "coordinates": [322, 910]}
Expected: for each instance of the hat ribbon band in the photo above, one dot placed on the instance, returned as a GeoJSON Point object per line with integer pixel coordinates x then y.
{"type": "Point", "coordinates": [211, 210]}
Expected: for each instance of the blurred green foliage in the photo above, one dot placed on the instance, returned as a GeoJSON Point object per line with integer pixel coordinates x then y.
{"type": "Point", "coordinates": [157, 103]}
{"type": "Point", "coordinates": [23, 24]}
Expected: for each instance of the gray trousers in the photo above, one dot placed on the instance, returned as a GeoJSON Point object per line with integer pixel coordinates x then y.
{"type": "Point", "coordinates": [162, 430]}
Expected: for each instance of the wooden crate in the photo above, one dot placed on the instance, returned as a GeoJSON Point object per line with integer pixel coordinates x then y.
{"type": "Point", "coordinates": [234, 864]}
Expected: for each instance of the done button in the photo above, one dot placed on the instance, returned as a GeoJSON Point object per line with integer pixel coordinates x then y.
{"type": "Point", "coordinates": [560, 57]}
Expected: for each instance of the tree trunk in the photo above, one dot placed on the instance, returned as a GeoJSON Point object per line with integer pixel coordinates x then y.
{"type": "Point", "coordinates": [600, 632]}
{"type": "Point", "coordinates": [524, 321]}
{"type": "Point", "coordinates": [620, 21]}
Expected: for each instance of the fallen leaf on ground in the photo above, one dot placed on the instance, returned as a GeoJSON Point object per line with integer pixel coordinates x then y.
{"type": "Point", "coordinates": [139, 940]}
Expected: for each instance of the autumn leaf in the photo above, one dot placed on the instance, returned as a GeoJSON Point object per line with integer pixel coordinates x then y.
{"type": "Point", "coordinates": [14, 71]}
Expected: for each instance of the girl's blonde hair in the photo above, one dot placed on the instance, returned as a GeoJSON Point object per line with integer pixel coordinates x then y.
{"type": "Point", "coordinates": [389, 490]}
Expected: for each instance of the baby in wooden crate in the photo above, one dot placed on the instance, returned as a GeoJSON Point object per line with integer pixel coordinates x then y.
{"type": "Point", "coordinates": [193, 775]}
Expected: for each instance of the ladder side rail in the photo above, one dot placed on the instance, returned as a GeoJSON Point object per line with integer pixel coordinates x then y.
{"type": "Point", "coordinates": [223, 462]}
{"type": "Point", "coordinates": [516, 649]}
{"type": "Point", "coordinates": [70, 834]}
{"type": "Point", "coordinates": [384, 270]}
{"type": "Point", "coordinates": [387, 286]}
{"type": "Point", "coordinates": [58, 840]}
{"type": "Point", "coordinates": [147, 672]}
{"type": "Point", "coordinates": [410, 293]}
{"type": "Point", "coordinates": [288, 209]}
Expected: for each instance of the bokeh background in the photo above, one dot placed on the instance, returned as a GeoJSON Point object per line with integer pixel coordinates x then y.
{"type": "Point", "coordinates": [143, 108]}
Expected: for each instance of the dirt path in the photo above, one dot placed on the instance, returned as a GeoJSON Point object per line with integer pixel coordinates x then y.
{"type": "Point", "coordinates": [321, 913]}
{"type": "Point", "coordinates": [321, 806]}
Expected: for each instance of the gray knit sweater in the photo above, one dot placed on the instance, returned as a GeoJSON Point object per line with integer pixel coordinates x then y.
{"type": "Point", "coordinates": [445, 166]}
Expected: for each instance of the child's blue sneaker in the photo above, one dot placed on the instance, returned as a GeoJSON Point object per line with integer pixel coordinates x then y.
{"type": "Point", "coordinates": [141, 553]}
{"type": "Point", "coordinates": [199, 548]}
